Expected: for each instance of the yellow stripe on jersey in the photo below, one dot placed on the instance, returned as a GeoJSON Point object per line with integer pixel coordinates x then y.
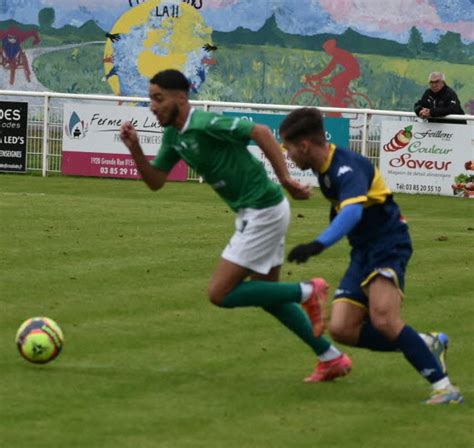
{"type": "Point", "coordinates": [378, 190]}
{"type": "Point", "coordinates": [377, 193]}
{"type": "Point", "coordinates": [354, 200]}
{"type": "Point", "coordinates": [388, 273]}
{"type": "Point", "coordinates": [325, 167]}
{"type": "Point", "coordinates": [385, 272]}
{"type": "Point", "coordinates": [351, 301]}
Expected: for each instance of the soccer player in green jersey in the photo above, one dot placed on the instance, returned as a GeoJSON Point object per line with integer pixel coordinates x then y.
{"type": "Point", "coordinates": [216, 146]}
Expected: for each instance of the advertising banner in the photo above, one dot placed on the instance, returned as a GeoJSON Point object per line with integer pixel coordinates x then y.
{"type": "Point", "coordinates": [426, 158]}
{"type": "Point", "coordinates": [13, 126]}
{"type": "Point", "coordinates": [337, 131]}
{"type": "Point", "coordinates": [92, 144]}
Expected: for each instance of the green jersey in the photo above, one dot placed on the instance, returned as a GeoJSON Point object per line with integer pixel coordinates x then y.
{"type": "Point", "coordinates": [216, 147]}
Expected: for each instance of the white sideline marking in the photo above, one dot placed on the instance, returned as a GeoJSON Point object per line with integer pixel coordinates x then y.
{"type": "Point", "coordinates": [22, 194]}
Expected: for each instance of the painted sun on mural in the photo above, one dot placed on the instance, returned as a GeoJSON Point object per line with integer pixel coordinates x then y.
{"type": "Point", "coordinates": [154, 36]}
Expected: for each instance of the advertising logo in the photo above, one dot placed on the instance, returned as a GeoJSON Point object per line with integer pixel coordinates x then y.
{"type": "Point", "coordinates": [400, 140]}
{"type": "Point", "coordinates": [76, 128]}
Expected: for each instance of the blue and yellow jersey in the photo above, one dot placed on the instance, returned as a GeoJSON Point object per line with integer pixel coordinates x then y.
{"type": "Point", "coordinates": [349, 178]}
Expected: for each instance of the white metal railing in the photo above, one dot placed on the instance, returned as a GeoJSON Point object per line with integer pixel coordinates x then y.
{"type": "Point", "coordinates": [45, 123]}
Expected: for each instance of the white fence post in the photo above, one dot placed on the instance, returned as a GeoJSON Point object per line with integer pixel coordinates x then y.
{"type": "Point", "coordinates": [364, 135]}
{"type": "Point", "coordinates": [45, 135]}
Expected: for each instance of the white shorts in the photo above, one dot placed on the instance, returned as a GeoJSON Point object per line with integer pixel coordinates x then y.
{"type": "Point", "coordinates": [258, 243]}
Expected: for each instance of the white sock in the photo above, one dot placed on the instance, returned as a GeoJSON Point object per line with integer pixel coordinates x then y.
{"type": "Point", "coordinates": [443, 383]}
{"type": "Point", "coordinates": [306, 291]}
{"type": "Point", "coordinates": [425, 338]}
{"type": "Point", "coordinates": [330, 354]}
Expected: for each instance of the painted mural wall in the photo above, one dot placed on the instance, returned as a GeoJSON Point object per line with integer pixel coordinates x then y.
{"type": "Point", "coordinates": [367, 53]}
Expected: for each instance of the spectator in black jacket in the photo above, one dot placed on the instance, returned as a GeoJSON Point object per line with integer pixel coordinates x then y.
{"type": "Point", "coordinates": [438, 101]}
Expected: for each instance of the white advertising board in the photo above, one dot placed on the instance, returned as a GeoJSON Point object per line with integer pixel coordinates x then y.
{"type": "Point", "coordinates": [425, 158]}
{"type": "Point", "coordinates": [92, 144]}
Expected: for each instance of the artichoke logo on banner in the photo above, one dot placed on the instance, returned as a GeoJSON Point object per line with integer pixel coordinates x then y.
{"type": "Point", "coordinates": [399, 140]}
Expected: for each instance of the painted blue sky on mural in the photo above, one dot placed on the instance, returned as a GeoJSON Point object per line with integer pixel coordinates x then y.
{"type": "Point", "coordinates": [391, 20]}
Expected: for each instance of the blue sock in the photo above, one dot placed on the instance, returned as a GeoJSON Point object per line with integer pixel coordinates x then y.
{"type": "Point", "coordinates": [374, 340]}
{"type": "Point", "coordinates": [418, 354]}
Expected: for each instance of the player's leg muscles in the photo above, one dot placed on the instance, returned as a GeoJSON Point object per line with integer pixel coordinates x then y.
{"type": "Point", "coordinates": [346, 321]}
{"type": "Point", "coordinates": [227, 289]}
{"type": "Point", "coordinates": [350, 321]}
{"type": "Point", "coordinates": [224, 279]}
{"type": "Point", "coordinates": [281, 300]}
{"type": "Point", "coordinates": [384, 303]}
{"type": "Point", "coordinates": [385, 300]}
{"type": "Point", "coordinates": [272, 276]}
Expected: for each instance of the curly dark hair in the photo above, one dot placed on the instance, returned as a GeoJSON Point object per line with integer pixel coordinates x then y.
{"type": "Point", "coordinates": [171, 79]}
{"type": "Point", "coordinates": [305, 122]}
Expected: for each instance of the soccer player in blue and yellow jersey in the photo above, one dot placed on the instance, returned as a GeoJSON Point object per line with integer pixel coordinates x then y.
{"type": "Point", "coordinates": [216, 146]}
{"type": "Point", "coordinates": [366, 306]}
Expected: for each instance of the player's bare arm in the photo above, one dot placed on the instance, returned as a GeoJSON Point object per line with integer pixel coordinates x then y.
{"type": "Point", "coordinates": [270, 147]}
{"type": "Point", "coordinates": [154, 178]}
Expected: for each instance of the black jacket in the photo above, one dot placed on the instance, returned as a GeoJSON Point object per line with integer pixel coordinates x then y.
{"type": "Point", "coordinates": [445, 102]}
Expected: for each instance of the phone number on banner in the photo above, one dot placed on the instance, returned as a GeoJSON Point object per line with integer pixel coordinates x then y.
{"type": "Point", "coordinates": [418, 188]}
{"type": "Point", "coordinates": [118, 171]}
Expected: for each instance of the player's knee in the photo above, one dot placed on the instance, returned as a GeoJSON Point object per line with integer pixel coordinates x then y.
{"type": "Point", "coordinates": [382, 322]}
{"type": "Point", "coordinates": [215, 296]}
{"type": "Point", "coordinates": [341, 333]}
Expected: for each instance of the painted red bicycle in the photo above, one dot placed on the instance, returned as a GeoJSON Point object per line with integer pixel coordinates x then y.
{"type": "Point", "coordinates": [322, 94]}
{"type": "Point", "coordinates": [19, 61]}
{"type": "Point", "coordinates": [12, 56]}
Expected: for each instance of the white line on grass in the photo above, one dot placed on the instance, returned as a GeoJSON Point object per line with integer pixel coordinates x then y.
{"type": "Point", "coordinates": [22, 194]}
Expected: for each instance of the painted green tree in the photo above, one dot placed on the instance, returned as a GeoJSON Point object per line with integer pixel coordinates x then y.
{"type": "Point", "coordinates": [450, 47]}
{"type": "Point", "coordinates": [46, 18]}
{"type": "Point", "coordinates": [415, 42]}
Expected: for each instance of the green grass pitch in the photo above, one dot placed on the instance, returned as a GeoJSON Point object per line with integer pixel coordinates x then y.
{"type": "Point", "coordinates": [149, 362]}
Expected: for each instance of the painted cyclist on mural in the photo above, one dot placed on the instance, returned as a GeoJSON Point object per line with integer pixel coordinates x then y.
{"type": "Point", "coordinates": [12, 56]}
{"type": "Point", "coordinates": [342, 68]}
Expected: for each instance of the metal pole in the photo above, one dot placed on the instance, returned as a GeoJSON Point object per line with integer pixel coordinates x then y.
{"type": "Point", "coordinates": [364, 135]}
{"type": "Point", "coordinates": [45, 135]}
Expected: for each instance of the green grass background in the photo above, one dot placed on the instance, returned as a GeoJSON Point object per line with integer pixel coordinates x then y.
{"type": "Point", "coordinates": [148, 362]}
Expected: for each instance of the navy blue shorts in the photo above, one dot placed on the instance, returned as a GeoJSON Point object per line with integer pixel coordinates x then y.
{"type": "Point", "coordinates": [387, 256]}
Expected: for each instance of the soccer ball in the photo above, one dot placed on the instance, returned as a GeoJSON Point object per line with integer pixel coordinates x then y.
{"type": "Point", "coordinates": [39, 340]}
